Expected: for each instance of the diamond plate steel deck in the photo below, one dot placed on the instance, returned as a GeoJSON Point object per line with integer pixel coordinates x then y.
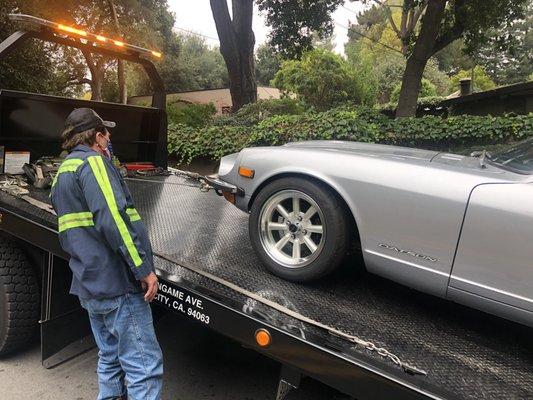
{"type": "Point", "coordinates": [471, 354]}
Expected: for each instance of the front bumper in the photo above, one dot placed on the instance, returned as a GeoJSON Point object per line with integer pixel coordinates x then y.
{"type": "Point", "coordinates": [222, 187]}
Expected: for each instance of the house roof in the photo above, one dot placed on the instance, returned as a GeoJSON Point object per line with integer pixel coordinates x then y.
{"type": "Point", "coordinates": [518, 89]}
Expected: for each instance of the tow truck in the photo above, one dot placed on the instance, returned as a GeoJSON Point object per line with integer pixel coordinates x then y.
{"type": "Point", "coordinates": [365, 336]}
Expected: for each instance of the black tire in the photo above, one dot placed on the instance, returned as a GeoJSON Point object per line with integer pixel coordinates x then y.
{"type": "Point", "coordinates": [337, 238]}
{"type": "Point", "coordinates": [19, 298]}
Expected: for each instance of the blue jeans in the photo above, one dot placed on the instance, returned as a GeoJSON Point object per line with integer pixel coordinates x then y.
{"type": "Point", "coordinates": [124, 332]}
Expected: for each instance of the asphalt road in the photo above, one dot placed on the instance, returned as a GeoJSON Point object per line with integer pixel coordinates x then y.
{"type": "Point", "coordinates": [199, 364]}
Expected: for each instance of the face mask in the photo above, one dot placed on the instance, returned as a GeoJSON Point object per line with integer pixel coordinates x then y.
{"type": "Point", "coordinates": [107, 150]}
{"type": "Point", "coordinates": [110, 149]}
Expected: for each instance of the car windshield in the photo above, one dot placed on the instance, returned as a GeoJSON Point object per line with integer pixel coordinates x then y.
{"type": "Point", "coordinates": [518, 158]}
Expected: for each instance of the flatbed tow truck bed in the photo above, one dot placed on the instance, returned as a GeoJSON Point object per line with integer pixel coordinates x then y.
{"type": "Point", "coordinates": [465, 353]}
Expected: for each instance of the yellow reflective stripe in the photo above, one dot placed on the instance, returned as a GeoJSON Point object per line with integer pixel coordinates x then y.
{"type": "Point", "coordinates": [75, 224]}
{"type": "Point", "coordinates": [133, 214]}
{"type": "Point", "coordinates": [75, 220]}
{"type": "Point", "coordinates": [100, 173]}
{"type": "Point", "coordinates": [70, 165]}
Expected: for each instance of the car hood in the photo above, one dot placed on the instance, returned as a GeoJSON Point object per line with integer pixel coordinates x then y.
{"type": "Point", "coordinates": [435, 159]}
{"type": "Point", "coordinates": [367, 149]}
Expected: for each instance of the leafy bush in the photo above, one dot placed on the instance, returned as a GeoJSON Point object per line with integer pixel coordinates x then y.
{"type": "Point", "coordinates": [349, 123]}
{"type": "Point", "coordinates": [252, 113]}
{"type": "Point", "coordinates": [321, 79]}
{"type": "Point", "coordinates": [195, 115]}
{"type": "Point", "coordinates": [481, 80]}
{"type": "Point", "coordinates": [188, 143]}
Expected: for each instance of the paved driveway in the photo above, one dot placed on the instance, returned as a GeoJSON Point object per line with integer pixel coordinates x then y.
{"type": "Point", "coordinates": [199, 364]}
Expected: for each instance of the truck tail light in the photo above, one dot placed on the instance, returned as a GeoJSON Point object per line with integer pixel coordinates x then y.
{"type": "Point", "coordinates": [263, 338]}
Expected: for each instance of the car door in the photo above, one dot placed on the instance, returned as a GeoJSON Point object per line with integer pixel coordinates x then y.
{"type": "Point", "coordinates": [493, 267]}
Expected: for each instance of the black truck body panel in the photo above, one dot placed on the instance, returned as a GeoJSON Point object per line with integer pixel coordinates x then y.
{"type": "Point", "coordinates": [34, 122]}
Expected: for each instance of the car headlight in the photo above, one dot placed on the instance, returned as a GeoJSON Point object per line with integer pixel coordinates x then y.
{"type": "Point", "coordinates": [227, 163]}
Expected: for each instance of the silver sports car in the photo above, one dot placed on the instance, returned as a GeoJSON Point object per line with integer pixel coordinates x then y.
{"type": "Point", "coordinates": [459, 227]}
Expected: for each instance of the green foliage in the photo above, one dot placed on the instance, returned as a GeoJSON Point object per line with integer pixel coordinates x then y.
{"type": "Point", "coordinates": [507, 55]}
{"type": "Point", "coordinates": [381, 69]}
{"type": "Point", "coordinates": [192, 115]}
{"type": "Point", "coordinates": [31, 67]}
{"type": "Point", "coordinates": [253, 113]}
{"type": "Point", "coordinates": [190, 64]}
{"type": "Point", "coordinates": [267, 63]}
{"type": "Point", "coordinates": [294, 24]}
{"type": "Point", "coordinates": [144, 23]}
{"type": "Point", "coordinates": [188, 143]}
{"type": "Point", "coordinates": [322, 79]}
{"type": "Point", "coordinates": [360, 124]}
{"type": "Point", "coordinates": [437, 77]}
{"type": "Point", "coordinates": [481, 80]}
{"type": "Point", "coordinates": [453, 58]}
{"type": "Point", "coordinates": [427, 89]}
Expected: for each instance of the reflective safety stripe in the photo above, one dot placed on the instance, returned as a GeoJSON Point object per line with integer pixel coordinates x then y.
{"type": "Point", "coordinates": [100, 173]}
{"type": "Point", "coordinates": [133, 214]}
{"type": "Point", "coordinates": [75, 220]}
{"type": "Point", "coordinates": [70, 165]}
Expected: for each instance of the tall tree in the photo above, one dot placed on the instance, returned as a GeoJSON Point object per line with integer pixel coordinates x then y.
{"type": "Point", "coordinates": [190, 64]}
{"type": "Point", "coordinates": [427, 26]}
{"type": "Point", "coordinates": [507, 55]}
{"type": "Point", "coordinates": [237, 42]}
{"type": "Point", "coordinates": [294, 25]}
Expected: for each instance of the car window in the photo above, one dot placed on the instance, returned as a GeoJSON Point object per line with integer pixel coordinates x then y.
{"type": "Point", "coordinates": [518, 158]}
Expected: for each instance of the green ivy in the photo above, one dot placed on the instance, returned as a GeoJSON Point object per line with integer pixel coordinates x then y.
{"type": "Point", "coordinates": [348, 123]}
{"type": "Point", "coordinates": [195, 115]}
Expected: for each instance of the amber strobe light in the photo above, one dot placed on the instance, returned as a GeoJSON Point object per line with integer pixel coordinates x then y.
{"type": "Point", "coordinates": [96, 40]}
{"type": "Point", "coordinates": [263, 338]}
{"type": "Point", "coordinates": [246, 172]}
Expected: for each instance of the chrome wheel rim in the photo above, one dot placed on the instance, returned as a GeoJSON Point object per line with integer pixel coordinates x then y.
{"type": "Point", "coordinates": [292, 228]}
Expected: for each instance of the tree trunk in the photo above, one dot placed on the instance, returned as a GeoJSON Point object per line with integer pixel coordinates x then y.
{"type": "Point", "coordinates": [96, 87]}
{"type": "Point", "coordinates": [96, 68]}
{"type": "Point", "coordinates": [122, 89]}
{"type": "Point", "coordinates": [423, 50]}
{"type": "Point", "coordinates": [237, 42]}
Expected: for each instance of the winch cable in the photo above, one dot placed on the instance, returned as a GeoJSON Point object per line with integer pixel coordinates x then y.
{"type": "Point", "coordinates": [412, 370]}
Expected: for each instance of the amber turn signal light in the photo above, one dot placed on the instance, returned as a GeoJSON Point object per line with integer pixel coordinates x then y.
{"type": "Point", "coordinates": [263, 338]}
{"type": "Point", "coordinates": [246, 172]}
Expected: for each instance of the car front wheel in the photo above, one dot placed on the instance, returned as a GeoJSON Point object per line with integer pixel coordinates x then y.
{"type": "Point", "coordinates": [299, 228]}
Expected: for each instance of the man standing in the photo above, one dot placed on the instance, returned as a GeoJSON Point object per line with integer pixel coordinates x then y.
{"type": "Point", "coordinates": [110, 258]}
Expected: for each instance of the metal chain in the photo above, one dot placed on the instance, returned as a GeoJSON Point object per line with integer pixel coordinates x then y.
{"type": "Point", "coordinates": [379, 350]}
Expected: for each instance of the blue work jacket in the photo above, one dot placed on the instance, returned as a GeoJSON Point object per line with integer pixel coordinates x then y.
{"type": "Point", "coordinates": [99, 227]}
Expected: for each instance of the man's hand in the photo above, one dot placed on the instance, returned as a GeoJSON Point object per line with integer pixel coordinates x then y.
{"type": "Point", "coordinates": [149, 285]}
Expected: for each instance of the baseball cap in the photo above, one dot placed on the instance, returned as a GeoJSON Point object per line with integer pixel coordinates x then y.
{"type": "Point", "coordinates": [82, 119]}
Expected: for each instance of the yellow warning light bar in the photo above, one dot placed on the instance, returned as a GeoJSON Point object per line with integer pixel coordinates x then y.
{"type": "Point", "coordinates": [97, 40]}
{"type": "Point", "coordinates": [71, 30]}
